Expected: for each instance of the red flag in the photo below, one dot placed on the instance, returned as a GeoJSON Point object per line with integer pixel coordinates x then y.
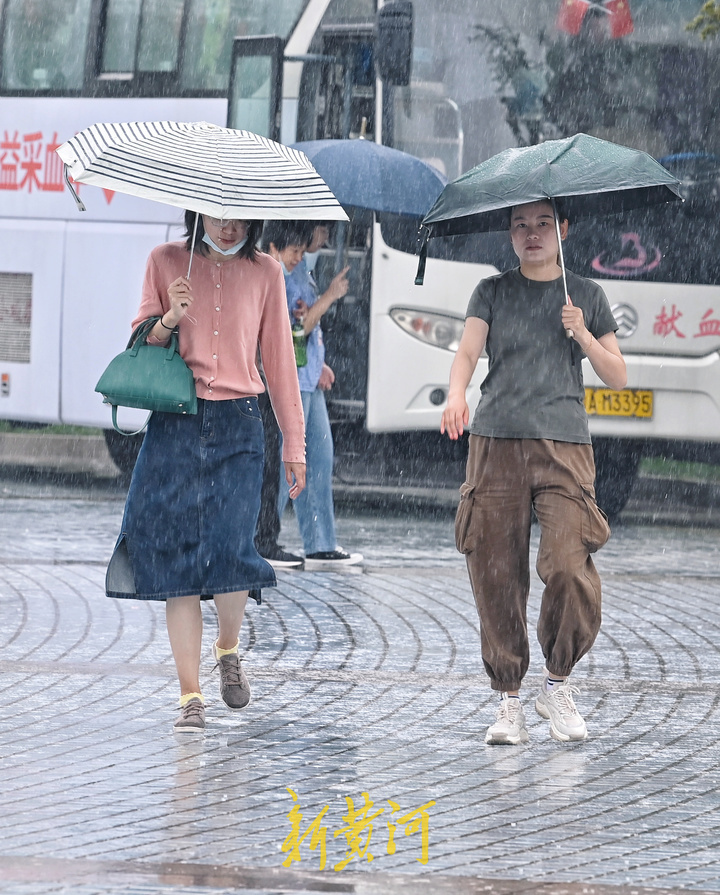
{"type": "Point", "coordinates": [571, 15]}
{"type": "Point", "coordinates": [621, 23]}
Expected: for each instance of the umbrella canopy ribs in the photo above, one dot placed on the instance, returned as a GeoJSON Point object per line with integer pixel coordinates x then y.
{"type": "Point", "coordinates": [221, 172]}
{"type": "Point", "coordinates": [590, 176]}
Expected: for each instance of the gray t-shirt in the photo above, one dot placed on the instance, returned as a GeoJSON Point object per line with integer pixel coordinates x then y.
{"type": "Point", "coordinates": [533, 389]}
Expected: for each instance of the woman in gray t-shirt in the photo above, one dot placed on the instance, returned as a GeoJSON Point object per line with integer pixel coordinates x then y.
{"type": "Point", "coordinates": [530, 450]}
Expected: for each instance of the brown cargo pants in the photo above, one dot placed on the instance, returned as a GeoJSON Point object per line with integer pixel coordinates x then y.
{"type": "Point", "coordinates": [506, 479]}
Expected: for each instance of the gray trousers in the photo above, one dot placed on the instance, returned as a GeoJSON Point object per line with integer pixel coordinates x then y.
{"type": "Point", "coordinates": [506, 479]}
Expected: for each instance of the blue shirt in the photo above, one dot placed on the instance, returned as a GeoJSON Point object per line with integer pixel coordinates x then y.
{"type": "Point", "coordinates": [300, 284]}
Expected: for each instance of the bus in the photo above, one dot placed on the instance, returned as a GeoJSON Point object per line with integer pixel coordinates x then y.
{"type": "Point", "coordinates": [449, 81]}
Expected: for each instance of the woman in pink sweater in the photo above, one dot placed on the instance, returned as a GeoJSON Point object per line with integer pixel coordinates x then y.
{"type": "Point", "coordinates": [193, 502]}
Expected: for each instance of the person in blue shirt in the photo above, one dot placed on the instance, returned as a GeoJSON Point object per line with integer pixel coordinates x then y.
{"type": "Point", "coordinates": [287, 242]}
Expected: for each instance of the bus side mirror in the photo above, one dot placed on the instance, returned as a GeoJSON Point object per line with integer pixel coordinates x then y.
{"type": "Point", "coordinates": [394, 42]}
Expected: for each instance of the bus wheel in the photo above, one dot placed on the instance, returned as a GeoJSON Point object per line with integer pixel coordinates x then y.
{"type": "Point", "coordinates": [123, 449]}
{"type": "Point", "coordinates": [616, 464]}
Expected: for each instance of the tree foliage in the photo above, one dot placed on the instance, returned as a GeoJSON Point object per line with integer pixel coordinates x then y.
{"type": "Point", "coordinates": [707, 21]}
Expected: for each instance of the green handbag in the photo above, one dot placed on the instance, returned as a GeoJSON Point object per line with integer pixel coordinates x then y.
{"type": "Point", "coordinates": [148, 377]}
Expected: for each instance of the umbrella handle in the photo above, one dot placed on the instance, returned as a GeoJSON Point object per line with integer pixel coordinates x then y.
{"type": "Point", "coordinates": [422, 261]}
{"type": "Point", "coordinates": [568, 332]}
{"type": "Point", "coordinates": [78, 201]}
{"type": "Point", "coordinates": [192, 244]}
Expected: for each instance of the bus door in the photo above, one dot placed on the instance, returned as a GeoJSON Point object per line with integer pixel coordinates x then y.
{"type": "Point", "coordinates": [346, 324]}
{"type": "Point", "coordinates": [336, 99]}
{"type": "Point", "coordinates": [339, 103]}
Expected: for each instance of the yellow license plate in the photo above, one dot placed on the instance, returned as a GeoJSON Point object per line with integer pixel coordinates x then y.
{"type": "Point", "coordinates": [628, 402]}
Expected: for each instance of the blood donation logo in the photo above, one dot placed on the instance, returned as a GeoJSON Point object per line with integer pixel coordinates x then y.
{"type": "Point", "coordinates": [633, 259]}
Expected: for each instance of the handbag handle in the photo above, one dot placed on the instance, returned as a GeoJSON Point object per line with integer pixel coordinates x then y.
{"type": "Point", "coordinates": [142, 331]}
{"type": "Point", "coordinates": [137, 339]}
{"type": "Point", "coordinates": [120, 431]}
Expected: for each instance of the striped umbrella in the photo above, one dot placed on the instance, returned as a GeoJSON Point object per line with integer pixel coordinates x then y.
{"type": "Point", "coordinates": [228, 174]}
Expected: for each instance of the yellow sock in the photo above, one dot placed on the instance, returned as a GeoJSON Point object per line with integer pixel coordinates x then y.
{"type": "Point", "coordinates": [225, 652]}
{"type": "Point", "coordinates": [186, 697]}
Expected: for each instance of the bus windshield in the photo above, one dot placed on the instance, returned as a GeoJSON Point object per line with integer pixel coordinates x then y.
{"type": "Point", "coordinates": [508, 73]}
{"type": "Point", "coordinates": [65, 47]}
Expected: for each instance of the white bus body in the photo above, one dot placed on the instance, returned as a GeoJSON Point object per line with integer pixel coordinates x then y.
{"type": "Point", "coordinates": [75, 278]}
{"type": "Point", "coordinates": [682, 371]}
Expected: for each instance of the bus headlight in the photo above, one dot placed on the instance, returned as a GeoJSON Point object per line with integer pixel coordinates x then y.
{"type": "Point", "coordinates": [440, 330]}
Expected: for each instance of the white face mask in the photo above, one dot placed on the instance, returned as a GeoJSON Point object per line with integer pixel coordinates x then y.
{"type": "Point", "coordinates": [233, 250]}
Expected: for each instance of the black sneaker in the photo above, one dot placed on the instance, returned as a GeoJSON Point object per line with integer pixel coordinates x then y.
{"type": "Point", "coordinates": [281, 559]}
{"type": "Point", "coordinates": [331, 559]}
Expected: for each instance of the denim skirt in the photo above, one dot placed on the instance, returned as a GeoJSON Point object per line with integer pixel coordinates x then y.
{"type": "Point", "coordinates": [192, 507]}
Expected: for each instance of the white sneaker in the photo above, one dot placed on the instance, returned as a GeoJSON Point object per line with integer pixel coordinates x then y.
{"type": "Point", "coordinates": [557, 707]}
{"type": "Point", "coordinates": [509, 727]}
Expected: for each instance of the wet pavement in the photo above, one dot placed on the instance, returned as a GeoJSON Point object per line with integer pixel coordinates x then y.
{"type": "Point", "coordinates": [368, 681]}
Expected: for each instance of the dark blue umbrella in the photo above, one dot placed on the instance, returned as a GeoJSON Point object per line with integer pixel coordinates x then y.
{"type": "Point", "coordinates": [368, 175]}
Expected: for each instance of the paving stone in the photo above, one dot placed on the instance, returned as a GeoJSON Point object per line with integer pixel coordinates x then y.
{"type": "Point", "coordinates": [364, 682]}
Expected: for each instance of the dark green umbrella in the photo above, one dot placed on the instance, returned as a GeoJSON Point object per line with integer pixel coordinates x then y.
{"type": "Point", "coordinates": [590, 176]}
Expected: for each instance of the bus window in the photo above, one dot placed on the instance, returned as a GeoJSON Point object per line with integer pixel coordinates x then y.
{"type": "Point", "coordinates": [509, 73]}
{"type": "Point", "coordinates": [256, 85]}
{"type": "Point", "coordinates": [213, 24]}
{"type": "Point", "coordinates": [141, 35]}
{"type": "Point", "coordinates": [122, 21]}
{"type": "Point", "coordinates": [251, 95]}
{"type": "Point", "coordinates": [350, 12]}
{"type": "Point", "coordinates": [403, 234]}
{"type": "Point", "coordinates": [512, 73]}
{"type": "Point", "coordinates": [428, 125]}
{"type": "Point", "coordinates": [160, 35]}
{"type": "Point", "coordinates": [335, 97]}
{"type": "Point", "coordinates": [44, 45]}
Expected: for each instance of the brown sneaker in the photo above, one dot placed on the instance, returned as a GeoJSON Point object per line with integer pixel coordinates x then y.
{"type": "Point", "coordinates": [192, 716]}
{"type": "Point", "coordinates": [234, 685]}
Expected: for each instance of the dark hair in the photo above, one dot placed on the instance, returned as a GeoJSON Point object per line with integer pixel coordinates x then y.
{"type": "Point", "coordinates": [559, 206]}
{"type": "Point", "coordinates": [287, 233]}
{"type": "Point", "coordinates": [249, 250]}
